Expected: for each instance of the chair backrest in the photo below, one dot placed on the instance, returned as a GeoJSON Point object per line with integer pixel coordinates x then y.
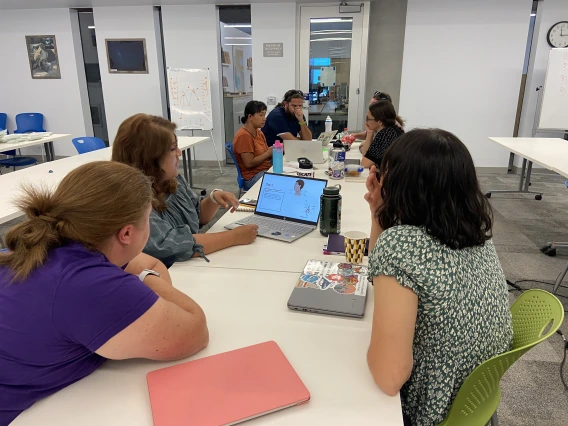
{"type": "Point", "coordinates": [240, 179]}
{"type": "Point", "coordinates": [3, 119]}
{"type": "Point", "coordinates": [88, 144]}
{"type": "Point", "coordinates": [537, 315]}
{"type": "Point", "coordinates": [29, 122]}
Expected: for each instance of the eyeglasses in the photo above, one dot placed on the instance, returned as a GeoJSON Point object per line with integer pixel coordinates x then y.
{"type": "Point", "coordinates": [369, 119]}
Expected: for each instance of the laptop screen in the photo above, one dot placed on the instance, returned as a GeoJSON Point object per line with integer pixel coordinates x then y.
{"type": "Point", "coordinates": [290, 197]}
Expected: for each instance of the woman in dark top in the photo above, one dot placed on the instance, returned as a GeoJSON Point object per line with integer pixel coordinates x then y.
{"type": "Point", "coordinates": [381, 118]}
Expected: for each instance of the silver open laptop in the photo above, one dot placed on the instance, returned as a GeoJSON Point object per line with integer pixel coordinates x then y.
{"type": "Point", "coordinates": [312, 150]}
{"type": "Point", "coordinates": [288, 207]}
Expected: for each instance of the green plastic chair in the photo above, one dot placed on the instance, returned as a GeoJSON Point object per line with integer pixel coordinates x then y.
{"type": "Point", "coordinates": [534, 312]}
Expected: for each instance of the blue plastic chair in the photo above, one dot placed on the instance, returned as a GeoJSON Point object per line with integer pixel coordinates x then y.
{"type": "Point", "coordinates": [29, 122]}
{"type": "Point", "coordinates": [88, 144]}
{"type": "Point", "coordinates": [14, 160]}
{"type": "Point", "coordinates": [240, 179]}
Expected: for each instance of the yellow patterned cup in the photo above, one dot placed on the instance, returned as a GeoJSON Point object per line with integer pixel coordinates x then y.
{"type": "Point", "coordinates": [355, 243]}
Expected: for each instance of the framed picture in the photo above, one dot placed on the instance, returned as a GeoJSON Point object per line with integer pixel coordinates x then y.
{"type": "Point", "coordinates": [42, 54]}
{"type": "Point", "coordinates": [127, 56]}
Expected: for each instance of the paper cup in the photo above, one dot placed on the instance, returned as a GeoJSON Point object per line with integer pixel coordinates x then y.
{"type": "Point", "coordinates": [355, 242]}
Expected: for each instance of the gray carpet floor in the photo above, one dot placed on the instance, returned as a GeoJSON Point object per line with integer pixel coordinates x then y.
{"type": "Point", "coordinates": [532, 391]}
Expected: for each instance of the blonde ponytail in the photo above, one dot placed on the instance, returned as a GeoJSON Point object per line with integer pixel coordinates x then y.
{"type": "Point", "coordinates": [91, 204]}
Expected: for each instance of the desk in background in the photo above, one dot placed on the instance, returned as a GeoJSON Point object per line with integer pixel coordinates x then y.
{"type": "Point", "coordinates": [184, 144]}
{"type": "Point", "coordinates": [550, 153]}
{"type": "Point", "coordinates": [47, 143]}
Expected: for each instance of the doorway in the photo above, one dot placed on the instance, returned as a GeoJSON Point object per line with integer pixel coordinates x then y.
{"type": "Point", "coordinates": [93, 73]}
{"type": "Point", "coordinates": [332, 67]}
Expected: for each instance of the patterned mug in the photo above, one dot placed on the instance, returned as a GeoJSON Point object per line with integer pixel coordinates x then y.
{"type": "Point", "coordinates": [355, 243]}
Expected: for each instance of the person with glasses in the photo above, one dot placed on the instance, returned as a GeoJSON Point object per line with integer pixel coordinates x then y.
{"type": "Point", "coordinates": [379, 96]}
{"type": "Point", "coordinates": [287, 121]}
{"type": "Point", "coordinates": [381, 132]}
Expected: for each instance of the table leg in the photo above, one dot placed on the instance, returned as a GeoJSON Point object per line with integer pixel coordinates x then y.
{"type": "Point", "coordinates": [47, 151]}
{"type": "Point", "coordinates": [524, 183]}
{"type": "Point", "coordinates": [189, 171]}
{"type": "Point", "coordinates": [511, 162]}
{"type": "Point", "coordinates": [52, 151]}
{"type": "Point", "coordinates": [528, 176]}
{"type": "Point", "coordinates": [184, 159]}
{"type": "Point", "coordinates": [522, 174]}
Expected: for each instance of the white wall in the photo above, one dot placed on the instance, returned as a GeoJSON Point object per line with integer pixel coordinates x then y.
{"type": "Point", "coordinates": [549, 12]}
{"type": "Point", "coordinates": [128, 94]}
{"type": "Point", "coordinates": [462, 67]}
{"type": "Point", "coordinates": [191, 40]}
{"type": "Point", "coordinates": [59, 100]}
{"type": "Point", "coordinates": [273, 76]}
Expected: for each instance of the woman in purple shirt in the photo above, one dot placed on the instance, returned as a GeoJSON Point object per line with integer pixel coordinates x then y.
{"type": "Point", "coordinates": [68, 302]}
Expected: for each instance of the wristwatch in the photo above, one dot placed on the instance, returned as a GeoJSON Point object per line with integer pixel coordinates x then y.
{"type": "Point", "coordinates": [302, 123]}
{"type": "Point", "coordinates": [211, 197]}
{"type": "Point", "coordinates": [147, 272]}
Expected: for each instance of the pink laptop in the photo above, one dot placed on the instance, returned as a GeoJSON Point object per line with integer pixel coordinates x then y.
{"type": "Point", "coordinates": [225, 389]}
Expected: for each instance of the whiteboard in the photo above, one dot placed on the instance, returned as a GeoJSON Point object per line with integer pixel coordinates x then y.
{"type": "Point", "coordinates": [554, 104]}
{"type": "Point", "coordinates": [189, 92]}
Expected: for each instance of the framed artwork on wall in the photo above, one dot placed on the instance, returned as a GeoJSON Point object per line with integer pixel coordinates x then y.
{"type": "Point", "coordinates": [42, 54]}
{"type": "Point", "coordinates": [127, 56]}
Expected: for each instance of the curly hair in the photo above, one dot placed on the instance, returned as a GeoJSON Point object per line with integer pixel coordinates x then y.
{"type": "Point", "coordinates": [429, 180]}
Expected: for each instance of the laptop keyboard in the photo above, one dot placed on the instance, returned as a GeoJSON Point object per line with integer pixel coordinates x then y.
{"type": "Point", "coordinates": [275, 224]}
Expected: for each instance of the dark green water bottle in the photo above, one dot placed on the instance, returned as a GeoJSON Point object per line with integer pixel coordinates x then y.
{"type": "Point", "coordinates": [330, 211]}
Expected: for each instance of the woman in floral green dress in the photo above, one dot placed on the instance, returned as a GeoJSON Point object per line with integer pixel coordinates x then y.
{"type": "Point", "coordinates": [441, 303]}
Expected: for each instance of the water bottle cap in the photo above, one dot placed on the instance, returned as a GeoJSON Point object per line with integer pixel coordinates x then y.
{"type": "Point", "coordinates": [337, 144]}
{"type": "Point", "coordinates": [278, 144]}
{"type": "Point", "coordinates": [332, 190]}
{"type": "Point", "coordinates": [328, 118]}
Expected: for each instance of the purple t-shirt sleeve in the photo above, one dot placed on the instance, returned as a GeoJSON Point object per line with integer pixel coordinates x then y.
{"type": "Point", "coordinates": [96, 302]}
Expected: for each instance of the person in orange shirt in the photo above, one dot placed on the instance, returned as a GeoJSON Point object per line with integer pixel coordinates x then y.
{"type": "Point", "coordinates": [249, 146]}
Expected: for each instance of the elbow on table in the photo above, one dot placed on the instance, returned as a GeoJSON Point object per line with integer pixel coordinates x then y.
{"type": "Point", "coordinates": [197, 339]}
{"type": "Point", "coordinates": [389, 378]}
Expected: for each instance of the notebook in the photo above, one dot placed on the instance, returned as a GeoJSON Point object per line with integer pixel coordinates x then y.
{"type": "Point", "coordinates": [225, 389]}
{"type": "Point", "coordinates": [288, 207]}
{"type": "Point", "coordinates": [331, 288]}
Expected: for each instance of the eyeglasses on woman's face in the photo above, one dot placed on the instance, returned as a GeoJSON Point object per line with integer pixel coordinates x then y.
{"type": "Point", "coordinates": [367, 119]}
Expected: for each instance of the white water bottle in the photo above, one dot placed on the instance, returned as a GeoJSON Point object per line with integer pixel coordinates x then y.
{"type": "Point", "coordinates": [328, 123]}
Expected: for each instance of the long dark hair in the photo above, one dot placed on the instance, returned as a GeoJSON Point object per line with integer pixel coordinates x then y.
{"type": "Point", "coordinates": [382, 96]}
{"type": "Point", "coordinates": [384, 112]}
{"type": "Point", "coordinates": [430, 181]}
{"type": "Point", "coordinates": [252, 108]}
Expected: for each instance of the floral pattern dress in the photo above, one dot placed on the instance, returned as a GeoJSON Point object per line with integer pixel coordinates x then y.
{"type": "Point", "coordinates": [463, 314]}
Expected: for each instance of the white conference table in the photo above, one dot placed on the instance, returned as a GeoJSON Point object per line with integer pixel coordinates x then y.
{"type": "Point", "coordinates": [550, 153]}
{"type": "Point", "coordinates": [271, 255]}
{"type": "Point", "coordinates": [47, 143]}
{"type": "Point", "coordinates": [243, 308]}
{"type": "Point", "coordinates": [51, 173]}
